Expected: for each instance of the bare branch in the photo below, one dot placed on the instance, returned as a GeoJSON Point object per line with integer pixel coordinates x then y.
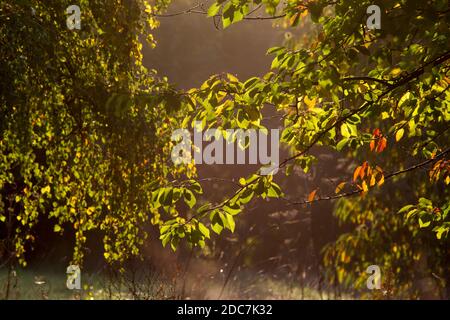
{"type": "Point", "coordinates": [198, 9]}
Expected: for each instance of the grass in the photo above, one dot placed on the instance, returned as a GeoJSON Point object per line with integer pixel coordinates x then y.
{"type": "Point", "coordinates": [50, 284]}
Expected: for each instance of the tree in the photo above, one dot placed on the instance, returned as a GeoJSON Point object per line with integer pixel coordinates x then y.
{"type": "Point", "coordinates": [83, 124]}
{"type": "Point", "coordinates": [379, 97]}
{"type": "Point", "coordinates": [357, 91]}
{"type": "Point", "coordinates": [75, 140]}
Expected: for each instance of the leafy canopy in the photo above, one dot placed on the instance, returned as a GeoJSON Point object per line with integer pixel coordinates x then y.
{"type": "Point", "coordinates": [85, 127]}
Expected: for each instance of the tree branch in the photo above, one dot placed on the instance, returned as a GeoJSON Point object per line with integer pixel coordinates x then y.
{"type": "Point", "coordinates": [387, 177]}
{"type": "Point", "coordinates": [384, 82]}
{"type": "Point", "coordinates": [400, 81]}
{"type": "Point", "coordinates": [195, 10]}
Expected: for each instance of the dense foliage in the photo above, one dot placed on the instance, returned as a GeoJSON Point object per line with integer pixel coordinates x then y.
{"type": "Point", "coordinates": [85, 128]}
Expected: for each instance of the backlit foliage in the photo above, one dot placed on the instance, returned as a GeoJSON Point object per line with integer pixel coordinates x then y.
{"type": "Point", "coordinates": [85, 128]}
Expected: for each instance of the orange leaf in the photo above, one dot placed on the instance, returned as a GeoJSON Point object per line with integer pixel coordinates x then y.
{"type": "Point", "coordinates": [381, 181]}
{"type": "Point", "coordinates": [312, 195]}
{"type": "Point", "coordinates": [362, 172]}
{"type": "Point", "coordinates": [379, 169]}
{"type": "Point", "coordinates": [372, 145]}
{"type": "Point", "coordinates": [356, 173]}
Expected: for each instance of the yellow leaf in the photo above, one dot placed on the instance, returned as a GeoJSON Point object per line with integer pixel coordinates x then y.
{"type": "Point", "coordinates": [356, 173]}
{"type": "Point", "coordinates": [372, 180]}
{"type": "Point", "coordinates": [311, 103]}
{"type": "Point", "coordinates": [45, 190]}
{"type": "Point", "coordinates": [219, 109]}
{"type": "Point", "coordinates": [339, 187]}
{"type": "Point", "coordinates": [399, 134]}
{"type": "Point", "coordinates": [365, 187]}
{"type": "Point", "coordinates": [341, 274]}
{"type": "Point", "coordinates": [396, 71]}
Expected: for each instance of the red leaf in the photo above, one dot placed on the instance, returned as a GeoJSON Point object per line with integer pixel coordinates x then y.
{"type": "Point", "coordinates": [381, 145]}
{"type": "Point", "coordinates": [356, 173]}
{"type": "Point", "coordinates": [376, 132]}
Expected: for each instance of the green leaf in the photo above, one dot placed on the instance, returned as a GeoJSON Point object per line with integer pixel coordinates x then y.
{"type": "Point", "coordinates": [250, 82]}
{"type": "Point", "coordinates": [228, 15]}
{"type": "Point", "coordinates": [274, 191]}
{"type": "Point", "coordinates": [217, 228]}
{"type": "Point", "coordinates": [196, 187]}
{"type": "Point", "coordinates": [189, 198]}
{"type": "Point", "coordinates": [440, 231]}
{"type": "Point", "coordinates": [345, 131]}
{"type": "Point", "coordinates": [275, 49]}
{"type": "Point", "coordinates": [174, 243]}
{"type": "Point", "coordinates": [203, 229]}
{"type": "Point", "coordinates": [214, 9]}
{"type": "Point", "coordinates": [165, 228]}
{"type": "Point", "coordinates": [168, 197]}
{"type": "Point", "coordinates": [165, 239]}
{"type": "Point", "coordinates": [411, 213]}
{"type": "Point", "coordinates": [260, 187]}
{"type": "Point", "coordinates": [216, 222]}
{"type": "Point", "coordinates": [341, 144]}
{"type": "Point", "coordinates": [233, 210]}
{"type": "Point", "coordinates": [405, 208]}
{"type": "Point", "coordinates": [425, 202]}
{"type": "Point", "coordinates": [424, 224]}
{"type": "Point", "coordinates": [246, 196]}
{"type": "Point", "coordinates": [231, 223]}
{"type": "Point", "coordinates": [405, 98]}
